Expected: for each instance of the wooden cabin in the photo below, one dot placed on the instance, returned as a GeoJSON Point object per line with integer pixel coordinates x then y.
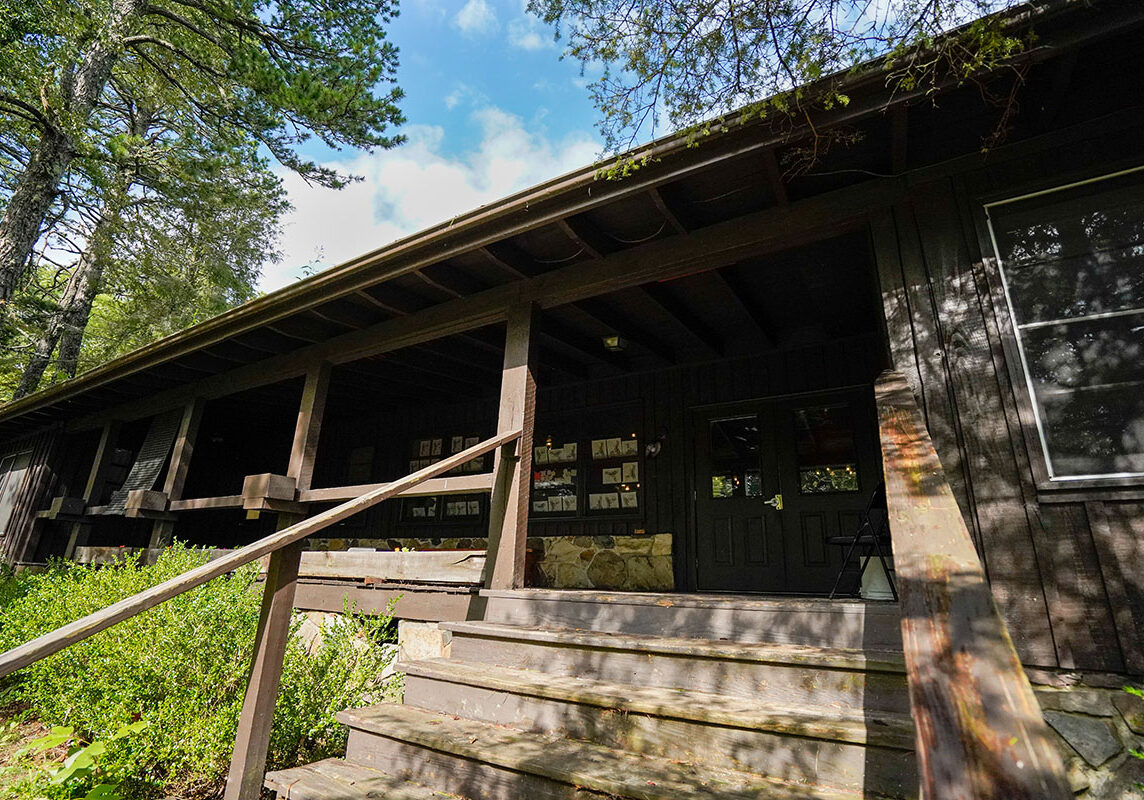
{"type": "Point", "coordinates": [670, 380]}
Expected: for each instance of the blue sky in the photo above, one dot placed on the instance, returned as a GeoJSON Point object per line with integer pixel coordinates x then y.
{"type": "Point", "coordinates": [491, 109]}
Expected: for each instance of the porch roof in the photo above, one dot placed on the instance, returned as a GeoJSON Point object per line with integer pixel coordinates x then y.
{"type": "Point", "coordinates": [692, 207]}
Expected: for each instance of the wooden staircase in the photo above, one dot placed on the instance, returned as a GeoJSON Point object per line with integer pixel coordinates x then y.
{"type": "Point", "coordinates": [561, 695]}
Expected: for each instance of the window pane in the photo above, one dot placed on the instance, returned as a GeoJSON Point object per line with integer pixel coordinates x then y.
{"type": "Point", "coordinates": [824, 442]}
{"type": "Point", "coordinates": [735, 450]}
{"type": "Point", "coordinates": [1073, 263]}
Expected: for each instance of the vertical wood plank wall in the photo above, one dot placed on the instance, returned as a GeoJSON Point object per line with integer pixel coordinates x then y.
{"type": "Point", "coordinates": [1066, 572]}
{"type": "Point", "coordinates": [20, 536]}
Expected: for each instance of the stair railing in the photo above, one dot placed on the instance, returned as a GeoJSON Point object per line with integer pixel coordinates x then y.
{"type": "Point", "coordinates": [285, 548]}
{"type": "Point", "coordinates": [980, 732]}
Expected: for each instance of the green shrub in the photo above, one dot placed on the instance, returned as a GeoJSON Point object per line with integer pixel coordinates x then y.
{"type": "Point", "coordinates": [182, 667]}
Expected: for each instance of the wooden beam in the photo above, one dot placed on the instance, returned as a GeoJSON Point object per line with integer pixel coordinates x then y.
{"type": "Point", "coordinates": [96, 480]}
{"type": "Point", "coordinates": [248, 761]}
{"type": "Point", "coordinates": [688, 320]}
{"type": "Point", "coordinates": [674, 221]}
{"type": "Point", "coordinates": [512, 463]}
{"type": "Point", "coordinates": [453, 484]}
{"type": "Point", "coordinates": [662, 259]}
{"type": "Point", "coordinates": [980, 731]}
{"type": "Point", "coordinates": [775, 177]}
{"type": "Point", "coordinates": [752, 312]}
{"type": "Point", "coordinates": [309, 426]}
{"type": "Point", "coordinates": [899, 139]}
{"type": "Point", "coordinates": [163, 530]}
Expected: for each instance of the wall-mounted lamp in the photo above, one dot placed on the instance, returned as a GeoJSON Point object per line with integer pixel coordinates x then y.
{"type": "Point", "coordinates": [615, 344]}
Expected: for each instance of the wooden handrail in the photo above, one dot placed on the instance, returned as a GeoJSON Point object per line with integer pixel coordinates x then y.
{"type": "Point", "coordinates": [62, 637]}
{"type": "Point", "coordinates": [980, 732]}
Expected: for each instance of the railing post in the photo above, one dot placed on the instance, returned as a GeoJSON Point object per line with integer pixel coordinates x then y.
{"type": "Point", "coordinates": [512, 463]}
{"type": "Point", "coordinates": [248, 762]}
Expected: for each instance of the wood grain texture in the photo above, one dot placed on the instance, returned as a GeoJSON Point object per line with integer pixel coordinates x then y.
{"type": "Point", "coordinates": [979, 726]}
{"type": "Point", "coordinates": [512, 464]}
{"type": "Point", "coordinates": [311, 412]}
{"type": "Point", "coordinates": [248, 760]}
{"type": "Point", "coordinates": [92, 624]}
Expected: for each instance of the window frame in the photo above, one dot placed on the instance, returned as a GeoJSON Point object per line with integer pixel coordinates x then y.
{"type": "Point", "coordinates": [1020, 377]}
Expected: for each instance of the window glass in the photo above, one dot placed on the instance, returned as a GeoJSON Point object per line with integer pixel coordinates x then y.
{"type": "Point", "coordinates": [735, 452]}
{"type": "Point", "coordinates": [1072, 261]}
{"type": "Point", "coordinates": [824, 440]}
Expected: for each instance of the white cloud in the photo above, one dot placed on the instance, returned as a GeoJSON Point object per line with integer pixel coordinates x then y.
{"type": "Point", "coordinates": [528, 33]}
{"type": "Point", "coordinates": [476, 17]}
{"type": "Point", "coordinates": [415, 186]}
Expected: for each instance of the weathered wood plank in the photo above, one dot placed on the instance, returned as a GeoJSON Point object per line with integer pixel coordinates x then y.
{"type": "Point", "coordinates": [92, 624]}
{"type": "Point", "coordinates": [979, 726]}
{"type": "Point", "coordinates": [248, 760]}
{"type": "Point", "coordinates": [163, 530]}
{"type": "Point", "coordinates": [427, 566]}
{"type": "Point", "coordinates": [512, 464]}
{"type": "Point", "coordinates": [454, 484]}
{"type": "Point", "coordinates": [311, 412]}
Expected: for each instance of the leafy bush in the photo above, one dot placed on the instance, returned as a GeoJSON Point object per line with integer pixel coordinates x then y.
{"type": "Point", "coordinates": [182, 667]}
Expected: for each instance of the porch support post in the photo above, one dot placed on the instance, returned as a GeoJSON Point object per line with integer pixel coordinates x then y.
{"type": "Point", "coordinates": [163, 530]}
{"type": "Point", "coordinates": [248, 763]}
{"type": "Point", "coordinates": [95, 481]}
{"type": "Point", "coordinates": [309, 426]}
{"type": "Point", "coordinates": [512, 463]}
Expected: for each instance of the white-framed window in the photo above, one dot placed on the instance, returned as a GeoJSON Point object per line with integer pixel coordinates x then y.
{"type": "Point", "coordinates": [1072, 267]}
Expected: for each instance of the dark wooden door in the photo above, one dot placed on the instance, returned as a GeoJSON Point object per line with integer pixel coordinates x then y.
{"type": "Point", "coordinates": [819, 453]}
{"type": "Point", "coordinates": [740, 538]}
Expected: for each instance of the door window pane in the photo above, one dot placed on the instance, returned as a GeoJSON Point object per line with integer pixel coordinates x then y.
{"type": "Point", "coordinates": [827, 459]}
{"type": "Point", "coordinates": [735, 451]}
{"type": "Point", "coordinates": [1072, 261]}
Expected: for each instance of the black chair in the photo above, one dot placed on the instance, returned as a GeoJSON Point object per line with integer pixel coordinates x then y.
{"type": "Point", "coordinates": [872, 534]}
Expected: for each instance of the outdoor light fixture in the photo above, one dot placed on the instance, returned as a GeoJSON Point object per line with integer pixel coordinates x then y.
{"type": "Point", "coordinates": [615, 344]}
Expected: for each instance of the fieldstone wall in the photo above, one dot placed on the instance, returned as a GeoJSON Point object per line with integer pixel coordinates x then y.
{"type": "Point", "coordinates": [1095, 730]}
{"type": "Point", "coordinates": [637, 563]}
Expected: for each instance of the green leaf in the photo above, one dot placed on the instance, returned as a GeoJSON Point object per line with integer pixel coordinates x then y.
{"type": "Point", "coordinates": [103, 791]}
{"type": "Point", "coordinates": [58, 736]}
{"type": "Point", "coordinates": [127, 730]}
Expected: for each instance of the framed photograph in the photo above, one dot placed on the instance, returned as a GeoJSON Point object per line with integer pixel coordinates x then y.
{"type": "Point", "coordinates": [595, 501]}
{"type": "Point", "coordinates": [568, 502]}
{"type": "Point", "coordinates": [611, 500]}
{"type": "Point", "coordinates": [629, 447]}
{"type": "Point", "coordinates": [612, 475]}
{"type": "Point", "coordinates": [599, 448]}
{"type": "Point", "coordinates": [631, 471]}
{"type": "Point", "coordinates": [425, 448]}
{"type": "Point", "coordinates": [540, 506]}
{"type": "Point", "coordinates": [629, 500]}
{"type": "Point", "coordinates": [540, 455]}
{"type": "Point", "coordinates": [613, 447]}
{"type": "Point", "coordinates": [472, 441]}
{"type": "Point", "coordinates": [473, 508]}
{"type": "Point", "coordinates": [456, 444]}
{"type": "Point", "coordinates": [435, 448]}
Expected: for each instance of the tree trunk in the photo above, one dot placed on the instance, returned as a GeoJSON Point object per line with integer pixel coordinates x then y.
{"type": "Point", "coordinates": [36, 187]}
{"type": "Point", "coordinates": [69, 321]}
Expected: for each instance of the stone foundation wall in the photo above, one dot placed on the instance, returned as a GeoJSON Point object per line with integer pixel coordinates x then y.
{"type": "Point", "coordinates": [638, 563]}
{"type": "Point", "coordinates": [1095, 728]}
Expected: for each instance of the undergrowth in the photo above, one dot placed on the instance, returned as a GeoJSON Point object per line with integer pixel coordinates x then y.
{"type": "Point", "coordinates": [181, 668]}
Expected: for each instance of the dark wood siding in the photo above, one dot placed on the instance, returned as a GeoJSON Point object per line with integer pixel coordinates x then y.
{"type": "Point", "coordinates": [1065, 574]}
{"type": "Point", "coordinates": [20, 537]}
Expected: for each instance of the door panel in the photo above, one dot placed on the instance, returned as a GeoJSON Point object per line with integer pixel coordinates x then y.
{"type": "Point", "coordinates": [820, 453]}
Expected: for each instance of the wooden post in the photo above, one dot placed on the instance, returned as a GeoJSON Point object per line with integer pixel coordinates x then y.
{"type": "Point", "coordinates": [248, 762]}
{"type": "Point", "coordinates": [309, 427]}
{"type": "Point", "coordinates": [164, 529]}
{"type": "Point", "coordinates": [95, 481]}
{"type": "Point", "coordinates": [512, 463]}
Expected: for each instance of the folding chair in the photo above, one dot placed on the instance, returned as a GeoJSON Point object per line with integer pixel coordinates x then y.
{"type": "Point", "coordinates": [870, 535]}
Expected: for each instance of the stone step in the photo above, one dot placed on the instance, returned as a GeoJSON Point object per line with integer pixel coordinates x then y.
{"type": "Point", "coordinates": [336, 779]}
{"type": "Point", "coordinates": [487, 762]}
{"type": "Point", "coordinates": [738, 618]}
{"type": "Point", "coordinates": [789, 674]}
{"type": "Point", "coordinates": [828, 745]}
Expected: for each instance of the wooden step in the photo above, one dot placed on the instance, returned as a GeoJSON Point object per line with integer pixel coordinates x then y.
{"type": "Point", "coordinates": [336, 779]}
{"type": "Point", "coordinates": [486, 762]}
{"type": "Point", "coordinates": [834, 746]}
{"type": "Point", "coordinates": [738, 618]}
{"type": "Point", "coordinates": [790, 674]}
